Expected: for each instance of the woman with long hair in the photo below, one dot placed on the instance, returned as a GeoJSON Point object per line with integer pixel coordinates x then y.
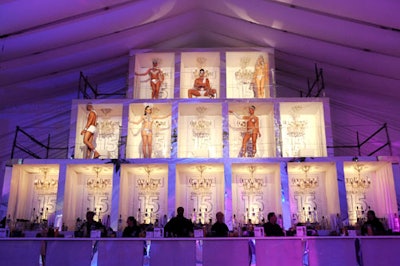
{"type": "Point", "coordinates": [261, 78]}
{"type": "Point", "coordinates": [147, 120]}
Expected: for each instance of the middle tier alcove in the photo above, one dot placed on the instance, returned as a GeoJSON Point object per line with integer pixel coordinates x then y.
{"type": "Point", "coordinates": [108, 129]}
{"type": "Point", "coordinates": [265, 145]}
{"type": "Point", "coordinates": [303, 129]}
{"type": "Point", "coordinates": [160, 130]}
{"type": "Point", "coordinates": [200, 130]}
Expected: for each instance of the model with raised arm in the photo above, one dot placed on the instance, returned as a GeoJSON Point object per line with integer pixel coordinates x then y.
{"type": "Point", "coordinates": [147, 129]}
{"type": "Point", "coordinates": [156, 78]}
{"type": "Point", "coordinates": [252, 131]}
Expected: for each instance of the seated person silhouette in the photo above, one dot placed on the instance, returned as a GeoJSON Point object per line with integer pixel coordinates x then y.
{"type": "Point", "coordinates": [272, 228]}
{"type": "Point", "coordinates": [202, 87]}
{"type": "Point", "coordinates": [91, 225]}
{"type": "Point", "coordinates": [132, 229]}
{"type": "Point", "coordinates": [179, 226]}
{"type": "Point", "coordinates": [219, 228]}
{"type": "Point", "coordinates": [372, 226]}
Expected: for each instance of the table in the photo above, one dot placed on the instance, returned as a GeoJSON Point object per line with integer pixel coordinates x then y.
{"type": "Point", "coordinates": [372, 250]}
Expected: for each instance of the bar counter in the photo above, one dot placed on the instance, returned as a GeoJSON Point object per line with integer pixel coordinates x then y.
{"type": "Point", "coordinates": [371, 250]}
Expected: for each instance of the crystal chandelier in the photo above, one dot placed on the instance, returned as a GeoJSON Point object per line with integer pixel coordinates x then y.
{"type": "Point", "coordinates": [358, 184]}
{"type": "Point", "coordinates": [201, 61]}
{"type": "Point", "coordinates": [148, 184]}
{"type": "Point", "coordinates": [296, 128]}
{"type": "Point", "coordinates": [305, 183]}
{"type": "Point", "coordinates": [252, 184]}
{"type": "Point", "coordinates": [201, 127]}
{"type": "Point", "coordinates": [106, 127]}
{"type": "Point", "coordinates": [202, 183]}
{"type": "Point", "coordinates": [45, 184]}
{"type": "Point", "coordinates": [106, 111]}
{"type": "Point", "coordinates": [200, 64]}
{"type": "Point", "coordinates": [98, 183]}
{"type": "Point", "coordinates": [244, 75]}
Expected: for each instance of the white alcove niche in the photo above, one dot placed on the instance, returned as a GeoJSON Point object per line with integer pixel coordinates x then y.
{"type": "Point", "coordinates": [266, 144]}
{"type": "Point", "coordinates": [192, 62]}
{"type": "Point", "coordinates": [33, 193]}
{"type": "Point", "coordinates": [243, 74]}
{"type": "Point", "coordinates": [313, 192]}
{"type": "Point", "coordinates": [108, 129]}
{"type": "Point", "coordinates": [199, 188]}
{"type": "Point", "coordinates": [256, 191]}
{"type": "Point", "coordinates": [200, 130]}
{"type": "Point", "coordinates": [161, 130]}
{"type": "Point", "coordinates": [88, 187]}
{"type": "Point", "coordinates": [141, 62]}
{"type": "Point", "coordinates": [370, 186]}
{"type": "Point", "coordinates": [144, 192]}
{"type": "Point", "coordinates": [303, 129]}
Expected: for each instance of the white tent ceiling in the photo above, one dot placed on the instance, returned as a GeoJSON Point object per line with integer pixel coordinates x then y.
{"type": "Point", "coordinates": [45, 44]}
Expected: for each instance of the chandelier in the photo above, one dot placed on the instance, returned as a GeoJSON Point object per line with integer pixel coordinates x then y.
{"type": "Point", "coordinates": [244, 75]}
{"type": "Point", "coordinates": [106, 127]}
{"type": "Point", "coordinates": [200, 64]}
{"type": "Point", "coordinates": [45, 184]}
{"type": "Point", "coordinates": [201, 127]}
{"type": "Point", "coordinates": [358, 183]}
{"type": "Point", "coordinates": [296, 128]}
{"type": "Point", "coordinates": [252, 184]}
{"type": "Point", "coordinates": [201, 61]}
{"type": "Point", "coordinates": [305, 183]}
{"type": "Point", "coordinates": [202, 183]}
{"type": "Point", "coordinates": [148, 183]}
{"type": "Point", "coordinates": [98, 183]}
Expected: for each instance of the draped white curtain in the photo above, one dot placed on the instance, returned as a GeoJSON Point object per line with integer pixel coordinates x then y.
{"type": "Point", "coordinates": [73, 198]}
{"type": "Point", "coordinates": [383, 193]}
{"type": "Point", "coordinates": [21, 194]}
{"type": "Point", "coordinates": [331, 190]}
